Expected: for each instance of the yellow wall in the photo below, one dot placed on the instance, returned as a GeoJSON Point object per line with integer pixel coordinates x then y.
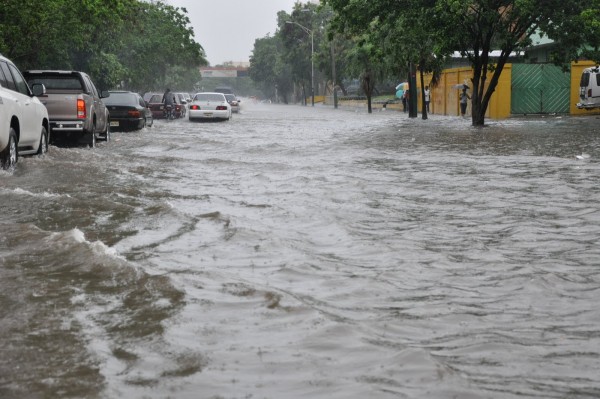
{"type": "Point", "coordinates": [445, 97]}
{"type": "Point", "coordinates": [576, 69]}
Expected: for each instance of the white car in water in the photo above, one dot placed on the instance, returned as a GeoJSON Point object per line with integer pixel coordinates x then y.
{"type": "Point", "coordinates": [209, 106]}
{"type": "Point", "coordinates": [234, 102]}
{"type": "Point", "coordinates": [24, 123]}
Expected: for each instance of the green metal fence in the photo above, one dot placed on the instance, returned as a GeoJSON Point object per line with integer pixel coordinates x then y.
{"type": "Point", "coordinates": [539, 89]}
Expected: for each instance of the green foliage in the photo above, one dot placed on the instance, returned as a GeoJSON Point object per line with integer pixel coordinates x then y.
{"type": "Point", "coordinates": [590, 20]}
{"type": "Point", "coordinates": [131, 43]}
{"type": "Point", "coordinates": [269, 70]}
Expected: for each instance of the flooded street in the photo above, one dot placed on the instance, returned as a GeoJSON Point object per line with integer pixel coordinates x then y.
{"type": "Point", "coordinates": [298, 252]}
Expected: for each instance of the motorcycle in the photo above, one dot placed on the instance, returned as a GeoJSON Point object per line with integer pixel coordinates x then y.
{"type": "Point", "coordinates": [169, 112]}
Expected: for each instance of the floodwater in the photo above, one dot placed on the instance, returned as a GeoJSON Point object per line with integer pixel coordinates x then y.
{"type": "Point", "coordinates": [299, 252]}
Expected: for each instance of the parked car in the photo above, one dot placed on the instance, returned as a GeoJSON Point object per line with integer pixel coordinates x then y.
{"type": "Point", "coordinates": [24, 122]}
{"type": "Point", "coordinates": [128, 111]}
{"type": "Point", "coordinates": [75, 106]}
{"type": "Point", "coordinates": [234, 102]}
{"type": "Point", "coordinates": [156, 105]}
{"type": "Point", "coordinates": [210, 106]}
{"type": "Point", "coordinates": [589, 89]}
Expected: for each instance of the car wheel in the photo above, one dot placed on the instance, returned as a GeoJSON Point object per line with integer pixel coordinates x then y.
{"type": "Point", "coordinates": [106, 134]}
{"type": "Point", "coordinates": [10, 155]}
{"type": "Point", "coordinates": [91, 139]}
{"type": "Point", "coordinates": [43, 148]}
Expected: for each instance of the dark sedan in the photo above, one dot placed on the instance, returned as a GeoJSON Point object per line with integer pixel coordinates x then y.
{"type": "Point", "coordinates": [128, 111]}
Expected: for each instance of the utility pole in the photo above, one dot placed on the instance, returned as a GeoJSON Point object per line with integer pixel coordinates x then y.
{"type": "Point", "coordinates": [333, 76]}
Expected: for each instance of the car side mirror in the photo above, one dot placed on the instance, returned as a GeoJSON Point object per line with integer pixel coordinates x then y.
{"type": "Point", "coordinates": [104, 94]}
{"type": "Point", "coordinates": [38, 89]}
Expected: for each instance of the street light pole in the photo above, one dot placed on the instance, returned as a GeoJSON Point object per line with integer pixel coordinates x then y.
{"type": "Point", "coordinates": [312, 58]}
{"type": "Point", "coordinates": [333, 77]}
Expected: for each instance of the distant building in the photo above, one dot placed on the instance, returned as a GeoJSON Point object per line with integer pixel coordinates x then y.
{"type": "Point", "coordinates": [229, 70]}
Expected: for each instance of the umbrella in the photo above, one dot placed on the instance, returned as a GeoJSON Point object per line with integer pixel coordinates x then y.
{"type": "Point", "coordinates": [401, 88]}
{"type": "Point", "coordinates": [461, 86]}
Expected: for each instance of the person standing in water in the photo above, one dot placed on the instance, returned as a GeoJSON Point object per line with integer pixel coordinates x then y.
{"type": "Point", "coordinates": [464, 97]}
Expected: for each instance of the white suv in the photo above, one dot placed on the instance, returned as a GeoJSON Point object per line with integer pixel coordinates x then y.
{"type": "Point", "coordinates": [23, 118]}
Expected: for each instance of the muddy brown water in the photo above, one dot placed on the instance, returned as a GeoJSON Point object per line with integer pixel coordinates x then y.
{"type": "Point", "coordinates": [299, 252]}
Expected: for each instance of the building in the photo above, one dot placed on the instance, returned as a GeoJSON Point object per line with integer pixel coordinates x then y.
{"type": "Point", "coordinates": [224, 72]}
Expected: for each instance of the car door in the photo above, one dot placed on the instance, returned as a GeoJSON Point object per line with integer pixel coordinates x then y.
{"type": "Point", "coordinates": [23, 106]}
{"type": "Point", "coordinates": [99, 107]}
{"type": "Point", "coordinates": [146, 110]}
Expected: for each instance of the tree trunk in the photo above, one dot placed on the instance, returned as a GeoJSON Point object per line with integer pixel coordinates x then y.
{"type": "Point", "coordinates": [304, 94]}
{"type": "Point", "coordinates": [481, 95]}
{"type": "Point", "coordinates": [368, 84]}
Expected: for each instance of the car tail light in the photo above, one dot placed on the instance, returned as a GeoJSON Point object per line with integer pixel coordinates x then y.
{"type": "Point", "coordinates": [589, 93]}
{"type": "Point", "coordinates": [134, 114]}
{"type": "Point", "coordinates": [81, 114]}
{"type": "Point", "coordinates": [221, 108]}
{"type": "Point", "coordinates": [195, 107]}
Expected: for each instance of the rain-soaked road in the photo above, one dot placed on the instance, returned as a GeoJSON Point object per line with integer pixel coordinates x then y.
{"type": "Point", "coordinates": [306, 253]}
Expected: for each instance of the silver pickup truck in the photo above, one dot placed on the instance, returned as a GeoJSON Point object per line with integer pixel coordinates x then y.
{"type": "Point", "coordinates": [75, 106]}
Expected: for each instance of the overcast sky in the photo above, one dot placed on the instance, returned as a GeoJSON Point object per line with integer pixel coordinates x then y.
{"type": "Point", "coordinates": [227, 29]}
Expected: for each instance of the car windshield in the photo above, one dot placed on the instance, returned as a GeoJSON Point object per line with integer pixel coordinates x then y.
{"type": "Point", "coordinates": [57, 82]}
{"type": "Point", "coordinates": [209, 97]}
{"type": "Point", "coordinates": [120, 99]}
{"type": "Point", "coordinates": [230, 97]}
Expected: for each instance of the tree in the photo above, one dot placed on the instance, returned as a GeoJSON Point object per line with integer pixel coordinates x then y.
{"type": "Point", "coordinates": [591, 25]}
{"type": "Point", "coordinates": [297, 32]}
{"type": "Point", "coordinates": [115, 41]}
{"type": "Point", "coordinates": [366, 61]}
{"type": "Point", "coordinates": [475, 28]}
{"type": "Point", "coordinates": [379, 28]}
{"type": "Point", "coordinates": [268, 70]}
{"type": "Point", "coordinates": [472, 27]}
{"type": "Point", "coordinates": [158, 46]}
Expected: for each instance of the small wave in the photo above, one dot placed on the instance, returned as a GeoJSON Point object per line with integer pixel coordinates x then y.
{"type": "Point", "coordinates": [78, 236]}
{"type": "Point", "coordinates": [45, 194]}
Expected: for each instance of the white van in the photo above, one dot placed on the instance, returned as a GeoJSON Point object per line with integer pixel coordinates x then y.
{"type": "Point", "coordinates": [589, 88]}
